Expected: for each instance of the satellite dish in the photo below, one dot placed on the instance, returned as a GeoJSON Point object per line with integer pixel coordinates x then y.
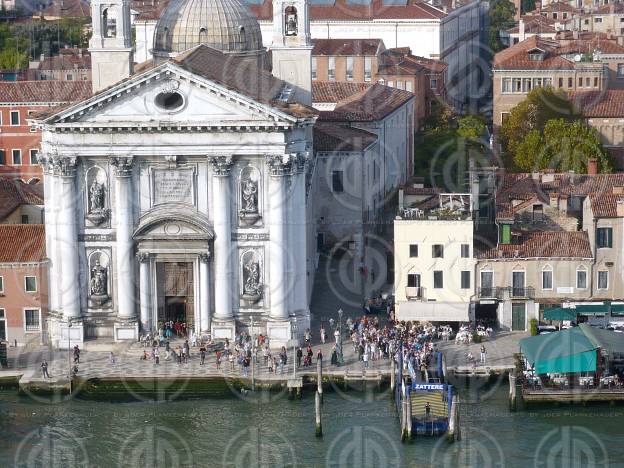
{"type": "Point", "coordinates": [577, 58]}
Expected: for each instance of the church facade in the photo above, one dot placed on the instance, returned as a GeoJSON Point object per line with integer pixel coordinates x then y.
{"type": "Point", "coordinates": [181, 192]}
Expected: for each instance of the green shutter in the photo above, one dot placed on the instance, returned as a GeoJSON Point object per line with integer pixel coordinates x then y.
{"type": "Point", "coordinates": [505, 234]}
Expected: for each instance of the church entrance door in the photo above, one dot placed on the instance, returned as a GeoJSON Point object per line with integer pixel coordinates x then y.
{"type": "Point", "coordinates": [176, 300]}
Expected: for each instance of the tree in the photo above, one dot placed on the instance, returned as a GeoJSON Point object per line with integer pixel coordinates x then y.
{"type": "Point", "coordinates": [527, 6]}
{"type": "Point", "coordinates": [502, 14]}
{"type": "Point", "coordinates": [562, 146]}
{"type": "Point", "coordinates": [540, 106]}
{"type": "Point", "coordinates": [471, 127]}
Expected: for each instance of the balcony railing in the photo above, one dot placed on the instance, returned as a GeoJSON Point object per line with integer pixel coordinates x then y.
{"type": "Point", "coordinates": [415, 293]}
{"type": "Point", "coordinates": [509, 292]}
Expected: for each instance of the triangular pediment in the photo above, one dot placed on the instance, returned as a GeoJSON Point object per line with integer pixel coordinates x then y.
{"type": "Point", "coordinates": [170, 96]}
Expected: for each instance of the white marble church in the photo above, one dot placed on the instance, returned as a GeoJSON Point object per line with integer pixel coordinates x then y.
{"type": "Point", "coordinates": [180, 189]}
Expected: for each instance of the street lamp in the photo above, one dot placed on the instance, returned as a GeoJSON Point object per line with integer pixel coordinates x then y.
{"type": "Point", "coordinates": [69, 354]}
{"type": "Point", "coordinates": [341, 357]}
{"type": "Point", "coordinates": [294, 343]}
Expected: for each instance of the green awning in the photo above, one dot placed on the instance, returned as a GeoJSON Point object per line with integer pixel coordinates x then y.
{"type": "Point", "coordinates": [609, 341]}
{"type": "Point", "coordinates": [560, 352]}
{"type": "Point", "coordinates": [591, 309]}
{"type": "Point", "coordinates": [560, 313]}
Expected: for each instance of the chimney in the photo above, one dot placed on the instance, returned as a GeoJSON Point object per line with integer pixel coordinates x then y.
{"type": "Point", "coordinates": [592, 166]}
{"type": "Point", "coordinates": [618, 190]}
{"type": "Point", "coordinates": [538, 6]}
{"type": "Point", "coordinates": [401, 199]}
{"type": "Point", "coordinates": [619, 208]}
{"type": "Point", "coordinates": [563, 204]}
{"type": "Point", "coordinates": [521, 35]}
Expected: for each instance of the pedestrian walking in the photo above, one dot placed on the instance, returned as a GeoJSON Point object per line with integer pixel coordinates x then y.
{"type": "Point", "coordinates": [76, 355]}
{"type": "Point", "coordinates": [218, 357]}
{"type": "Point", "coordinates": [299, 356]}
{"type": "Point", "coordinates": [319, 356]}
{"type": "Point", "coordinates": [202, 355]}
{"type": "Point", "coordinates": [111, 358]}
{"type": "Point", "coordinates": [483, 354]}
{"type": "Point", "coordinates": [231, 359]}
{"type": "Point", "coordinates": [427, 410]}
{"type": "Point", "coordinates": [337, 336]}
{"type": "Point", "coordinates": [156, 356]}
{"type": "Point", "coordinates": [44, 369]}
{"type": "Point", "coordinates": [323, 335]}
{"type": "Point", "coordinates": [365, 359]}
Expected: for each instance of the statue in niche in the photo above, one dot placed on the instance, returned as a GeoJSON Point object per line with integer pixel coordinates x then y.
{"type": "Point", "coordinates": [252, 289]}
{"type": "Point", "coordinates": [97, 212]}
{"type": "Point", "coordinates": [250, 196]}
{"type": "Point", "coordinates": [96, 196]}
{"type": "Point", "coordinates": [249, 213]}
{"type": "Point", "coordinates": [98, 284]}
{"type": "Point", "coordinates": [291, 21]}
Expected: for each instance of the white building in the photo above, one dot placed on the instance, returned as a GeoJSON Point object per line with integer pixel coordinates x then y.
{"type": "Point", "coordinates": [434, 262]}
{"type": "Point", "coordinates": [448, 31]}
{"type": "Point", "coordinates": [179, 192]}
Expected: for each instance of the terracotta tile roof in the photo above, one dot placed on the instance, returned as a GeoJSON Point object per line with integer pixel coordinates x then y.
{"type": "Point", "coordinates": [68, 9]}
{"type": "Point", "coordinates": [516, 56]}
{"type": "Point", "coordinates": [43, 91]}
{"type": "Point", "coordinates": [606, 103]}
{"type": "Point", "coordinates": [242, 76]}
{"type": "Point", "coordinates": [345, 10]}
{"type": "Point", "coordinates": [605, 205]}
{"type": "Point", "coordinates": [350, 47]}
{"type": "Point", "coordinates": [14, 193]}
{"type": "Point", "coordinates": [395, 62]}
{"type": "Point", "coordinates": [535, 24]}
{"type": "Point", "coordinates": [541, 244]}
{"type": "Point", "coordinates": [328, 91]}
{"type": "Point", "coordinates": [556, 7]}
{"type": "Point", "coordinates": [68, 59]}
{"type": "Point", "coordinates": [371, 102]}
{"type": "Point", "coordinates": [148, 9]}
{"type": "Point", "coordinates": [410, 190]}
{"type": "Point", "coordinates": [20, 243]}
{"type": "Point", "coordinates": [330, 137]}
{"type": "Point", "coordinates": [610, 9]}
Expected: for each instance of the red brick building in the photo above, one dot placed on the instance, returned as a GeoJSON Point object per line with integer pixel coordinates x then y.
{"type": "Point", "coordinates": [20, 142]}
{"type": "Point", "coordinates": [23, 283]}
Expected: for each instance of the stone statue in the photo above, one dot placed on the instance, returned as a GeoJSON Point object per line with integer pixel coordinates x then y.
{"type": "Point", "coordinates": [252, 283]}
{"type": "Point", "coordinates": [98, 283]}
{"type": "Point", "coordinates": [96, 197]}
{"type": "Point", "coordinates": [291, 23]}
{"type": "Point", "coordinates": [250, 196]}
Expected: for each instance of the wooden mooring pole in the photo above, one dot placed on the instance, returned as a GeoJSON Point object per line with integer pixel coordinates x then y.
{"type": "Point", "coordinates": [393, 376]}
{"type": "Point", "coordinates": [317, 407]}
{"type": "Point", "coordinates": [319, 378]}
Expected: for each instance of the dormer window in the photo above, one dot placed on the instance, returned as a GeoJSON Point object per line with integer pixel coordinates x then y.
{"type": "Point", "coordinates": [536, 54]}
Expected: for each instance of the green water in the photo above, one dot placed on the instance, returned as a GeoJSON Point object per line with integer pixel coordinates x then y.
{"type": "Point", "coordinates": [360, 430]}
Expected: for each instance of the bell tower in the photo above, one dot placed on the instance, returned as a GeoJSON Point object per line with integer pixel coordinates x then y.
{"type": "Point", "coordinates": [291, 49]}
{"type": "Point", "coordinates": [110, 45]}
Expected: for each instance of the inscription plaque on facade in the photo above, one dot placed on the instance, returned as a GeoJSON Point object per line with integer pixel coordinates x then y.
{"type": "Point", "coordinates": [173, 186]}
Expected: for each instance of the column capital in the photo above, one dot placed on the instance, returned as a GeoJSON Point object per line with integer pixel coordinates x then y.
{"type": "Point", "coordinates": [46, 162]}
{"type": "Point", "coordinates": [279, 164]}
{"type": "Point", "coordinates": [143, 257]}
{"type": "Point", "coordinates": [221, 165]}
{"type": "Point", "coordinates": [122, 165]}
{"type": "Point", "coordinates": [204, 257]}
{"type": "Point", "coordinates": [300, 161]}
{"type": "Point", "coordinates": [65, 166]}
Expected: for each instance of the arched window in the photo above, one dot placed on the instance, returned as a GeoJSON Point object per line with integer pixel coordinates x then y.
{"type": "Point", "coordinates": [203, 35]}
{"type": "Point", "coordinates": [290, 20]}
{"type": "Point", "coordinates": [243, 37]}
{"type": "Point", "coordinates": [547, 277]}
{"type": "Point", "coordinates": [109, 23]}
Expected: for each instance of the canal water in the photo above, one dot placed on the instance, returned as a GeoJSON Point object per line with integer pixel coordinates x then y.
{"type": "Point", "coordinates": [268, 430]}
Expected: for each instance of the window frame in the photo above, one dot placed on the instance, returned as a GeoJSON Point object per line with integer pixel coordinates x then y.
{"type": "Point", "coordinates": [606, 276]}
{"type": "Point", "coordinates": [21, 159]}
{"type": "Point", "coordinates": [584, 271]}
{"type": "Point", "coordinates": [609, 237]}
{"type": "Point", "coordinates": [331, 68]}
{"type": "Point", "coordinates": [413, 247]}
{"type": "Point", "coordinates": [434, 252]}
{"type": "Point", "coordinates": [548, 269]}
{"type": "Point", "coordinates": [19, 119]}
{"type": "Point", "coordinates": [349, 68]}
{"type": "Point", "coordinates": [26, 328]}
{"type": "Point", "coordinates": [26, 284]}
{"type": "Point", "coordinates": [314, 66]}
{"type": "Point", "coordinates": [1, 284]}
{"type": "Point", "coordinates": [467, 247]}
{"type": "Point", "coordinates": [368, 68]}
{"type": "Point", "coordinates": [414, 275]}
{"type": "Point", "coordinates": [340, 175]}
{"type": "Point", "coordinates": [441, 277]}
{"type": "Point", "coordinates": [30, 153]}
{"type": "Point", "coordinates": [462, 277]}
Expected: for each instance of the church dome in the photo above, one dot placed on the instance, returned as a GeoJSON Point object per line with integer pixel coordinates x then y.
{"type": "Point", "coordinates": [226, 25]}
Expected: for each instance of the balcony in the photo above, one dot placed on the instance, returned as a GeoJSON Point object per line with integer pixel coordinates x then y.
{"type": "Point", "coordinates": [504, 293]}
{"type": "Point", "coordinates": [415, 293]}
{"type": "Point", "coordinates": [522, 293]}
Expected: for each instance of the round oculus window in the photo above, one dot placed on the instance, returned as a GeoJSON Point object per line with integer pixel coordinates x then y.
{"type": "Point", "coordinates": [169, 100]}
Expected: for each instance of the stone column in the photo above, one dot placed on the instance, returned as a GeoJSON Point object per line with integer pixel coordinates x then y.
{"type": "Point", "coordinates": [126, 327]}
{"type": "Point", "coordinates": [280, 168]}
{"type": "Point", "coordinates": [145, 290]}
{"type": "Point", "coordinates": [204, 294]}
{"type": "Point", "coordinates": [299, 247]}
{"type": "Point", "coordinates": [221, 195]}
{"type": "Point", "coordinates": [67, 235]}
{"type": "Point", "coordinates": [49, 185]}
